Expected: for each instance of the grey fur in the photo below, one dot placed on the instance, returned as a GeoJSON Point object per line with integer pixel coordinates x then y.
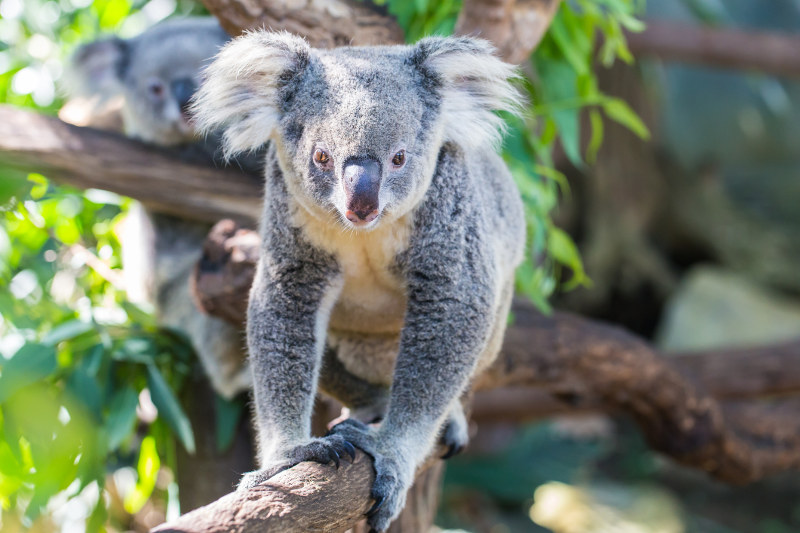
{"type": "Point", "coordinates": [170, 55]}
{"type": "Point", "coordinates": [415, 300]}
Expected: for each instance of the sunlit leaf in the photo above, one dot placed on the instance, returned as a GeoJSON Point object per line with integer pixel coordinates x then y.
{"type": "Point", "coordinates": [147, 468]}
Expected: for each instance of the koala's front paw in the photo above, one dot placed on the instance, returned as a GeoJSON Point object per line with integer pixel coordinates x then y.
{"type": "Point", "coordinates": [392, 481]}
{"type": "Point", "coordinates": [322, 450]}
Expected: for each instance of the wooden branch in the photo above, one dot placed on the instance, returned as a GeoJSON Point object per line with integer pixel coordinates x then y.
{"type": "Point", "coordinates": [325, 23]}
{"type": "Point", "coordinates": [772, 53]}
{"type": "Point", "coordinates": [514, 26]}
{"type": "Point", "coordinates": [89, 158]}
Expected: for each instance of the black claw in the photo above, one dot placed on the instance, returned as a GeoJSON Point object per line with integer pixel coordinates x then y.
{"type": "Point", "coordinates": [453, 450]}
{"type": "Point", "coordinates": [350, 449]}
{"type": "Point", "coordinates": [375, 506]}
{"type": "Point", "coordinates": [334, 455]}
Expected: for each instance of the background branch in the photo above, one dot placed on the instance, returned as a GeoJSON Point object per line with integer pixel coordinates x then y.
{"type": "Point", "coordinates": [774, 53]}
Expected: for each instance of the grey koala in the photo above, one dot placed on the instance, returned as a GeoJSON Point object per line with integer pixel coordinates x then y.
{"type": "Point", "coordinates": [157, 73]}
{"type": "Point", "coordinates": [390, 234]}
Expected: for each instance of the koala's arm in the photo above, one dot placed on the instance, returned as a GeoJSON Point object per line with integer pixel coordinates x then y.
{"type": "Point", "coordinates": [451, 284]}
{"type": "Point", "coordinates": [293, 292]}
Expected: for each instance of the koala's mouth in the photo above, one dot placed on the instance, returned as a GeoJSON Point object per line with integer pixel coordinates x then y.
{"type": "Point", "coordinates": [361, 220]}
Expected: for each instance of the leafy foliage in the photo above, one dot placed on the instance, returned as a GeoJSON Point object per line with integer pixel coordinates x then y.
{"type": "Point", "coordinates": [83, 371]}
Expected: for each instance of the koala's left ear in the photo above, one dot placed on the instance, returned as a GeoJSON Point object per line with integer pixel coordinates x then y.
{"type": "Point", "coordinates": [474, 83]}
{"type": "Point", "coordinates": [239, 94]}
{"type": "Point", "coordinates": [98, 68]}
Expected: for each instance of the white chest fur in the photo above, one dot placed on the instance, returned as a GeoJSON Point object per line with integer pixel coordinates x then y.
{"type": "Point", "coordinates": [372, 299]}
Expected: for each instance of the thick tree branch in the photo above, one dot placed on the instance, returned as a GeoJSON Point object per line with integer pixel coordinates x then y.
{"type": "Point", "coordinates": [89, 158]}
{"type": "Point", "coordinates": [719, 47]}
{"type": "Point", "coordinates": [514, 26]}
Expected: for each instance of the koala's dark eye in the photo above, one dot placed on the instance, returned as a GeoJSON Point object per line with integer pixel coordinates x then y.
{"type": "Point", "coordinates": [399, 159]}
{"type": "Point", "coordinates": [322, 159]}
{"type": "Point", "coordinates": [155, 88]}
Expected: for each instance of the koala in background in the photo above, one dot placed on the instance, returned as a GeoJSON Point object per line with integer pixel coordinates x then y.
{"type": "Point", "coordinates": [390, 234]}
{"type": "Point", "coordinates": [157, 73]}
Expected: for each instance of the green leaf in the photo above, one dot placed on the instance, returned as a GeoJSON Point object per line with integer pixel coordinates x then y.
{"type": "Point", "coordinates": [67, 330]}
{"type": "Point", "coordinates": [559, 83]}
{"type": "Point", "coordinates": [596, 140]}
{"type": "Point", "coordinates": [84, 387]}
{"type": "Point", "coordinates": [147, 468]}
{"type": "Point", "coordinates": [31, 363]}
{"type": "Point", "coordinates": [227, 414]}
{"type": "Point", "coordinates": [169, 407]}
{"type": "Point", "coordinates": [621, 112]}
{"type": "Point", "coordinates": [121, 416]}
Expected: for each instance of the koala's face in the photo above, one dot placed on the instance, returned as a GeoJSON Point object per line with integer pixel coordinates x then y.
{"type": "Point", "coordinates": [358, 130]}
{"type": "Point", "coordinates": [157, 73]}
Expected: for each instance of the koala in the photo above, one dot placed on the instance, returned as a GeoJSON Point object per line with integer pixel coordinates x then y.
{"type": "Point", "coordinates": [156, 74]}
{"type": "Point", "coordinates": [390, 234]}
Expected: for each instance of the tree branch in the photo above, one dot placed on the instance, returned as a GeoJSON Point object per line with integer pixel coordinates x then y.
{"type": "Point", "coordinates": [325, 23]}
{"type": "Point", "coordinates": [514, 26]}
{"type": "Point", "coordinates": [719, 47]}
{"type": "Point", "coordinates": [181, 184]}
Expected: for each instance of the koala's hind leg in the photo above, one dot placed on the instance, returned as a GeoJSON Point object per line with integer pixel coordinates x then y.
{"type": "Point", "coordinates": [367, 401]}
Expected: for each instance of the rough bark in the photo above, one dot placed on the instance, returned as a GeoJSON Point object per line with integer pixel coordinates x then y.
{"type": "Point", "coordinates": [325, 23]}
{"type": "Point", "coordinates": [514, 26]}
{"type": "Point", "coordinates": [772, 53]}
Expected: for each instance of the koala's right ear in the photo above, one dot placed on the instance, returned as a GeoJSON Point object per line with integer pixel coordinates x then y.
{"type": "Point", "coordinates": [239, 94]}
{"type": "Point", "coordinates": [97, 68]}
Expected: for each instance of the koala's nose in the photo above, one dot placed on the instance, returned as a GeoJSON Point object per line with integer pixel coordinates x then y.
{"type": "Point", "coordinates": [362, 183]}
{"type": "Point", "coordinates": [182, 90]}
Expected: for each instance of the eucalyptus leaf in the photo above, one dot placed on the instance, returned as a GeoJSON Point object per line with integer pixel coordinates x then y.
{"type": "Point", "coordinates": [169, 407]}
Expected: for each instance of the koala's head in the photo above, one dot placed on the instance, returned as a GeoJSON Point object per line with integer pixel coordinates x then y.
{"type": "Point", "coordinates": [156, 73]}
{"type": "Point", "coordinates": [357, 130]}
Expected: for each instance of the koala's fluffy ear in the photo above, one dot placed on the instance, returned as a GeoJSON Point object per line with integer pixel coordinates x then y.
{"type": "Point", "coordinates": [474, 84]}
{"type": "Point", "coordinates": [239, 94]}
{"type": "Point", "coordinates": [97, 68]}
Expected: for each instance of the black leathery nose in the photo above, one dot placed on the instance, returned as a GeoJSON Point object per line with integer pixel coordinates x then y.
{"type": "Point", "coordinates": [362, 183]}
{"type": "Point", "coordinates": [183, 89]}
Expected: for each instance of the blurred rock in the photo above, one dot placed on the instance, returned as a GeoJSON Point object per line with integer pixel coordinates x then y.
{"type": "Point", "coordinates": [715, 308]}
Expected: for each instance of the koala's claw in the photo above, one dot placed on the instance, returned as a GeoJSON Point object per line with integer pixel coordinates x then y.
{"type": "Point", "coordinates": [375, 506]}
{"type": "Point", "coordinates": [351, 450]}
{"type": "Point", "coordinates": [455, 435]}
{"type": "Point", "coordinates": [453, 449]}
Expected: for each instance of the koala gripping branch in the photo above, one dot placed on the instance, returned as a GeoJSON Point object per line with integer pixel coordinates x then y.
{"type": "Point", "coordinates": [590, 364]}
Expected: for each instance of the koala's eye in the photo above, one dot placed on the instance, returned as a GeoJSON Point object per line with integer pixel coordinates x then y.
{"type": "Point", "coordinates": [322, 159]}
{"type": "Point", "coordinates": [399, 159]}
{"type": "Point", "coordinates": [155, 88]}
